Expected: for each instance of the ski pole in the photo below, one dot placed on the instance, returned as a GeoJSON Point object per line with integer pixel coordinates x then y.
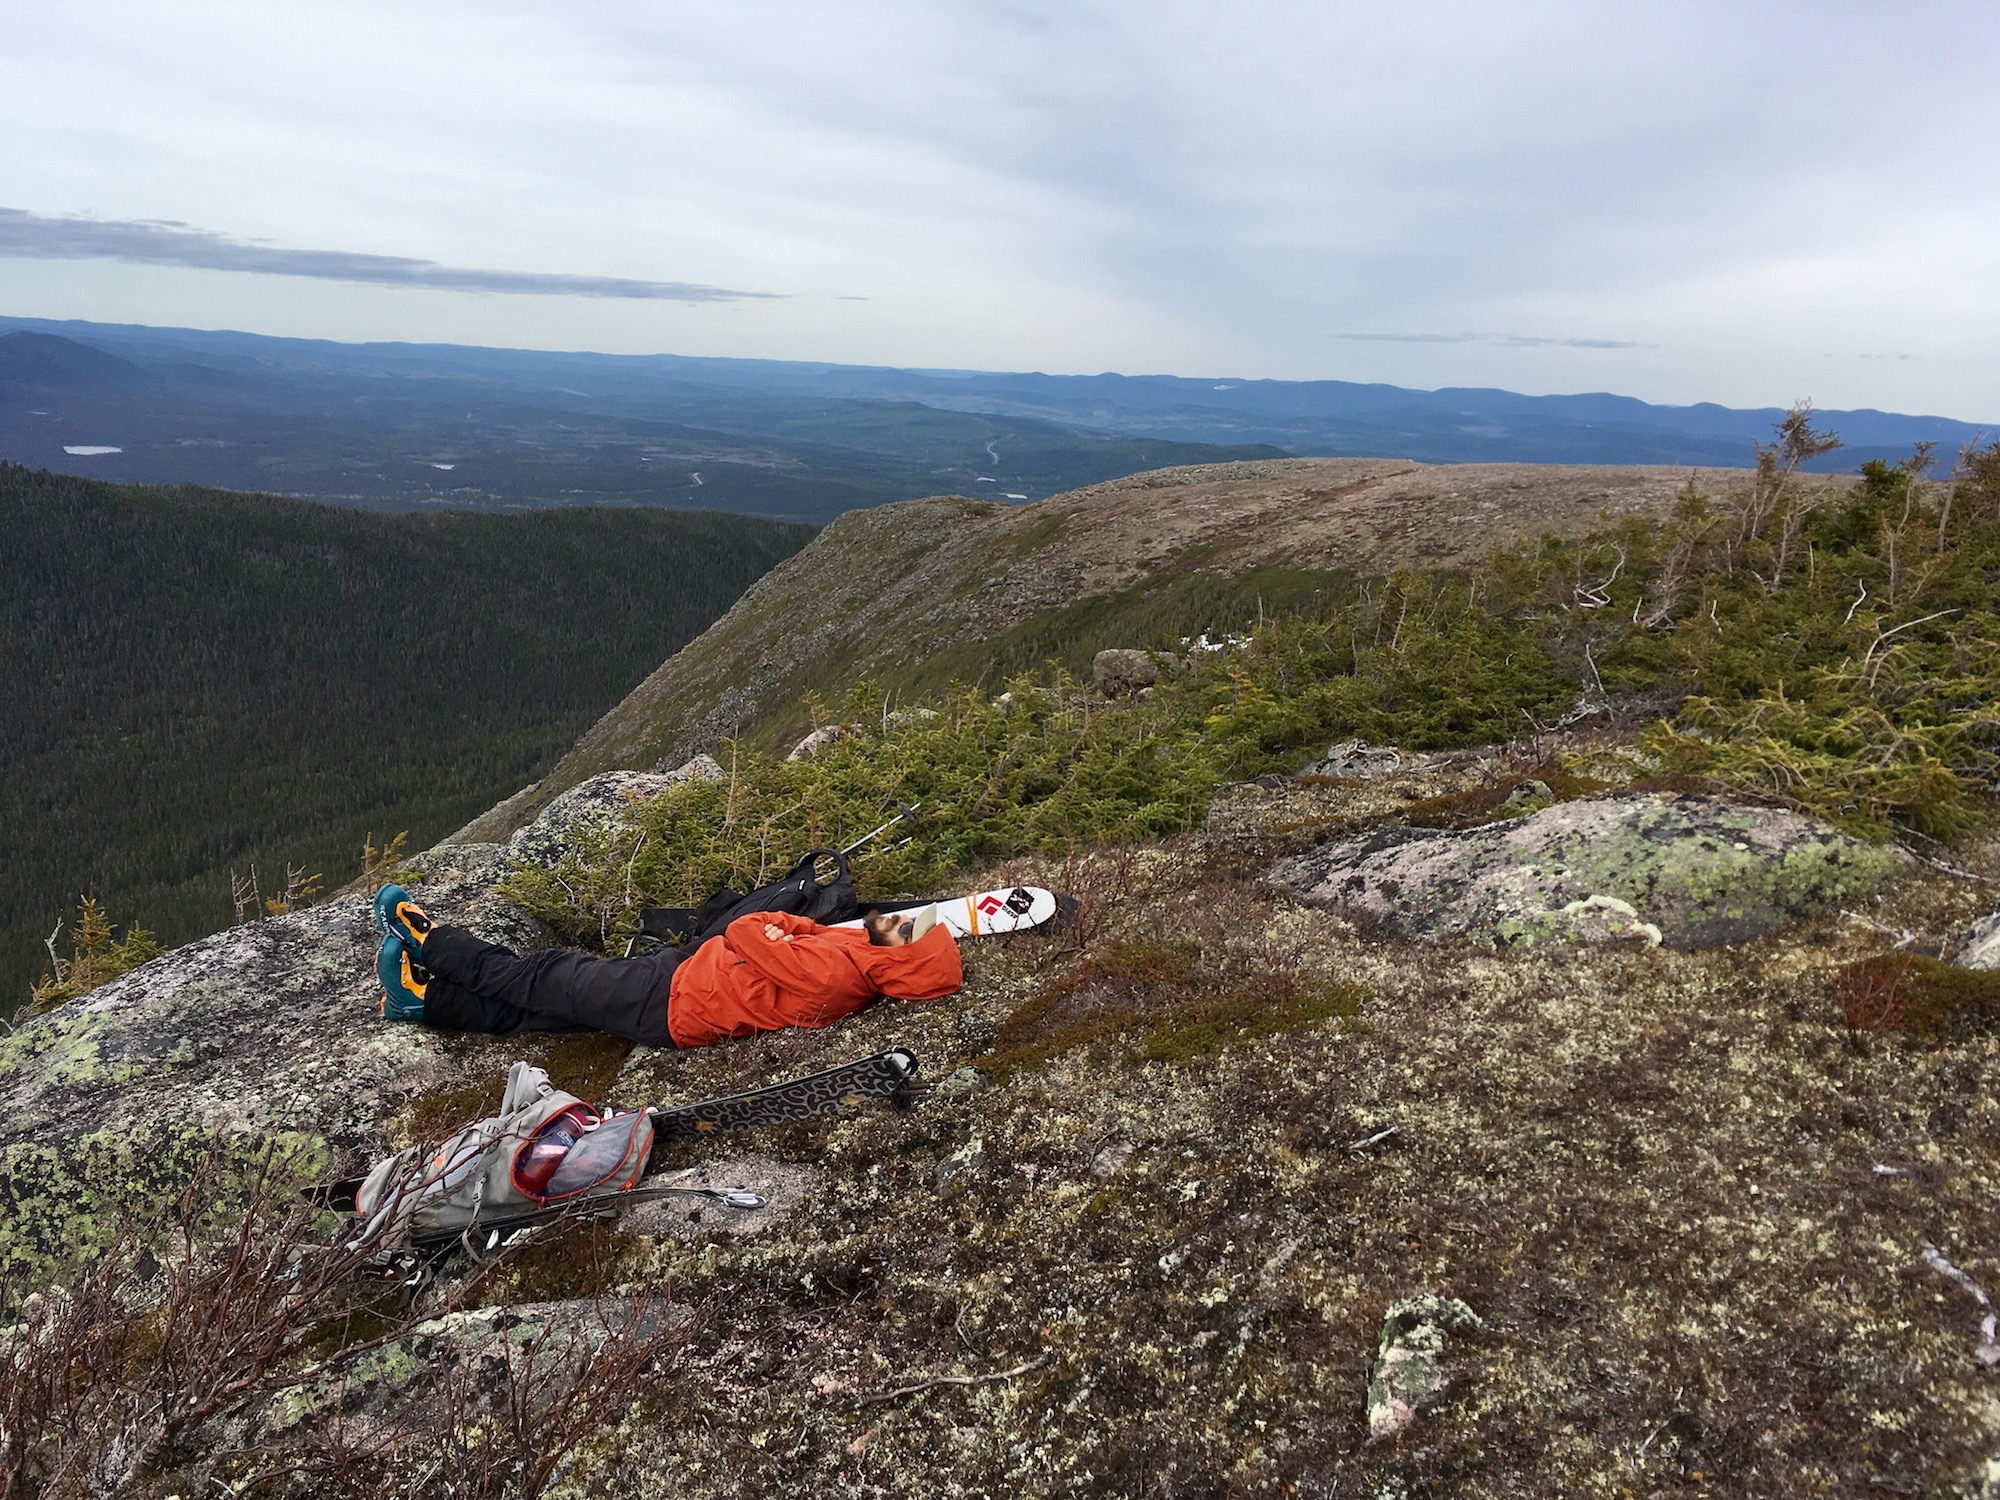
{"type": "Point", "coordinates": [885, 849]}
{"type": "Point", "coordinates": [905, 813]}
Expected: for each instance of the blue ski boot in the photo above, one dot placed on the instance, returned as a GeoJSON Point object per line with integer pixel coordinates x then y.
{"type": "Point", "coordinates": [404, 981]}
{"type": "Point", "coordinates": [398, 916]}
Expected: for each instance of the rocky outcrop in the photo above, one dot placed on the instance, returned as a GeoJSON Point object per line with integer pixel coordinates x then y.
{"type": "Point", "coordinates": [1353, 760]}
{"type": "Point", "coordinates": [815, 742]}
{"type": "Point", "coordinates": [1121, 672]}
{"type": "Point", "coordinates": [264, 1032]}
{"type": "Point", "coordinates": [1688, 872]}
{"type": "Point", "coordinates": [1978, 947]}
{"type": "Point", "coordinates": [1099, 1273]}
{"type": "Point", "coordinates": [601, 802]}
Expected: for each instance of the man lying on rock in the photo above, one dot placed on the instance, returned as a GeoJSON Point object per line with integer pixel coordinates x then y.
{"type": "Point", "coordinates": [764, 972]}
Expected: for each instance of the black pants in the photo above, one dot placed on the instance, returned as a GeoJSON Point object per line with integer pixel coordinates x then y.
{"type": "Point", "coordinates": [480, 986]}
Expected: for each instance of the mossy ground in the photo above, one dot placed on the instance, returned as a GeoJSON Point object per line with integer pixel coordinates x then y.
{"type": "Point", "coordinates": [1914, 993]}
{"type": "Point", "coordinates": [1689, 1210]}
{"type": "Point", "coordinates": [1179, 985]}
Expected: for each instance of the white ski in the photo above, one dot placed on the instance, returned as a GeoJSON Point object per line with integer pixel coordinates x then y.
{"type": "Point", "coordinates": [984, 913]}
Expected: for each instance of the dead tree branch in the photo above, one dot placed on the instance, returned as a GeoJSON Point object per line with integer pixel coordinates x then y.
{"type": "Point", "coordinates": [937, 1380]}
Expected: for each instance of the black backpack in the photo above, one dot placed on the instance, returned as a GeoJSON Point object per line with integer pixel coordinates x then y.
{"type": "Point", "coordinates": [802, 893]}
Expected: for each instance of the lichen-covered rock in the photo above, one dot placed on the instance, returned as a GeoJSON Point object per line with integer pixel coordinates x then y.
{"type": "Point", "coordinates": [700, 768]}
{"type": "Point", "coordinates": [1529, 796]}
{"type": "Point", "coordinates": [1687, 871]}
{"type": "Point", "coordinates": [962, 1166]}
{"type": "Point", "coordinates": [782, 1185]}
{"type": "Point", "coordinates": [1355, 760]}
{"type": "Point", "coordinates": [1410, 1372]}
{"type": "Point", "coordinates": [815, 742]}
{"type": "Point", "coordinates": [1978, 947]}
{"type": "Point", "coordinates": [459, 1368]}
{"type": "Point", "coordinates": [1170, 1276]}
{"type": "Point", "coordinates": [601, 802]}
{"type": "Point", "coordinates": [1111, 1158]}
{"type": "Point", "coordinates": [268, 1031]}
{"type": "Point", "coordinates": [964, 1081]}
{"type": "Point", "coordinates": [1120, 672]}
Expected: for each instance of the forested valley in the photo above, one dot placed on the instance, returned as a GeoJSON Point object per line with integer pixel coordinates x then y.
{"type": "Point", "coordinates": [202, 682]}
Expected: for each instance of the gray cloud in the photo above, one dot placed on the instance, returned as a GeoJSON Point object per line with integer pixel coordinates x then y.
{"type": "Point", "coordinates": [1021, 184]}
{"type": "Point", "coordinates": [167, 242]}
{"type": "Point", "coordinates": [1500, 340]}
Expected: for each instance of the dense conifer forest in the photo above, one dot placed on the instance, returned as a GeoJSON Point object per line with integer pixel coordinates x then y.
{"type": "Point", "coordinates": [200, 682]}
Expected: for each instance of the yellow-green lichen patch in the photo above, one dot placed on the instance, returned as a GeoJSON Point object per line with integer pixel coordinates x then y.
{"type": "Point", "coordinates": [66, 1197]}
{"type": "Point", "coordinates": [63, 1049]}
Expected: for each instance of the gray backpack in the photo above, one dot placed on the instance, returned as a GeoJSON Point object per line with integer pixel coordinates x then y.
{"type": "Point", "coordinates": [544, 1149]}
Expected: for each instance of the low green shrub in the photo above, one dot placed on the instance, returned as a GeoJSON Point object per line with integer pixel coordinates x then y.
{"type": "Point", "coordinates": [1858, 684]}
{"type": "Point", "coordinates": [97, 956]}
{"type": "Point", "coordinates": [1047, 766]}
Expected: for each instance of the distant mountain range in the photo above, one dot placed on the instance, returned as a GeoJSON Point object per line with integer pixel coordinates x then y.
{"type": "Point", "coordinates": [405, 426]}
{"type": "Point", "coordinates": [1344, 419]}
{"type": "Point", "coordinates": [396, 427]}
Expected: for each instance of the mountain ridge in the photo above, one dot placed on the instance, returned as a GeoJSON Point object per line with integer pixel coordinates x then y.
{"type": "Point", "coordinates": [1326, 418]}
{"type": "Point", "coordinates": [352, 428]}
{"type": "Point", "coordinates": [911, 595]}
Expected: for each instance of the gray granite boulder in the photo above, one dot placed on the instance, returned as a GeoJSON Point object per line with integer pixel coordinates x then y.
{"type": "Point", "coordinates": [701, 768]}
{"type": "Point", "coordinates": [1121, 672]}
{"type": "Point", "coordinates": [1978, 947]}
{"type": "Point", "coordinates": [601, 802]}
{"type": "Point", "coordinates": [817, 741]}
{"type": "Point", "coordinates": [1356, 760]}
{"type": "Point", "coordinates": [1689, 872]}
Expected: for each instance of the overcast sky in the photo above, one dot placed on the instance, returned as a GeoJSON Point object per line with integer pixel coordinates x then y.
{"type": "Point", "coordinates": [1737, 202]}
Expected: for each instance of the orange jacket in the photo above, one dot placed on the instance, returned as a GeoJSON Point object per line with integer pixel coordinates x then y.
{"type": "Point", "coordinates": [744, 982]}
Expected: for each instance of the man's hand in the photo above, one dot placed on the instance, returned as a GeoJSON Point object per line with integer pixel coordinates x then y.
{"type": "Point", "coordinates": [776, 933]}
